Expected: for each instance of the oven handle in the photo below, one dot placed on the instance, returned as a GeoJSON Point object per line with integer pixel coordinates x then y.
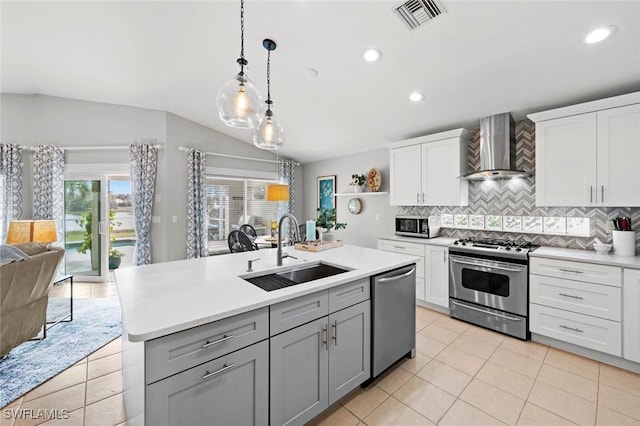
{"type": "Point", "coordinates": [502, 268]}
{"type": "Point", "coordinates": [487, 312]}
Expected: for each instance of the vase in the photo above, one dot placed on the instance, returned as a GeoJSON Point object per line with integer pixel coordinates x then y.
{"type": "Point", "coordinates": [329, 236]}
{"type": "Point", "coordinates": [357, 188]}
{"type": "Point", "coordinates": [114, 262]}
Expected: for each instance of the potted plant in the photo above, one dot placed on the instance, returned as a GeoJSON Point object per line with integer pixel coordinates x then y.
{"type": "Point", "coordinates": [326, 221]}
{"type": "Point", "coordinates": [357, 181]}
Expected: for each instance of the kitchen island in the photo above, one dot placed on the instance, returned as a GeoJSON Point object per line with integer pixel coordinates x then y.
{"type": "Point", "coordinates": [183, 317]}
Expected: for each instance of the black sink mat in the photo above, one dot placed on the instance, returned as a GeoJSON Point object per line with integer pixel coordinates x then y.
{"type": "Point", "coordinates": [271, 282]}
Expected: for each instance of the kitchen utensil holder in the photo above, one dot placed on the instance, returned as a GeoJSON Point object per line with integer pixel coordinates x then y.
{"type": "Point", "coordinates": [624, 243]}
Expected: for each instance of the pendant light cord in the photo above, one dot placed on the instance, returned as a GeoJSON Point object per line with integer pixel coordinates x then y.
{"type": "Point", "coordinates": [268, 101]}
{"type": "Point", "coordinates": [241, 60]}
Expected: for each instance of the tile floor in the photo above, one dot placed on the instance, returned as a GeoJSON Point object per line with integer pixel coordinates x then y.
{"type": "Point", "coordinates": [462, 375]}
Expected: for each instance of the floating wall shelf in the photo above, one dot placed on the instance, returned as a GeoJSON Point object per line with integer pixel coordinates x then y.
{"type": "Point", "coordinates": [358, 194]}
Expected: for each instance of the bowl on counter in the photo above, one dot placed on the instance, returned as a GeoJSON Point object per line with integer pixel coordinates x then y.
{"type": "Point", "coordinates": [602, 248]}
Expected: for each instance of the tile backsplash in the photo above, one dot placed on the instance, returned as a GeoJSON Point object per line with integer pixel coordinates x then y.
{"type": "Point", "coordinates": [493, 199]}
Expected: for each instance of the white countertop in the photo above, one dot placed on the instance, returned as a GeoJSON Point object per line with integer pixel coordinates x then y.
{"type": "Point", "coordinates": [589, 256]}
{"type": "Point", "coordinates": [165, 298]}
{"type": "Point", "coordinates": [438, 241]}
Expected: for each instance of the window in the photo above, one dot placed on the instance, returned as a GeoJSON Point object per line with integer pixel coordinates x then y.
{"type": "Point", "coordinates": [234, 202]}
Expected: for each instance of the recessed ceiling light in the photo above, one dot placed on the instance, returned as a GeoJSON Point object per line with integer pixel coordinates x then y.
{"type": "Point", "coordinates": [599, 34]}
{"type": "Point", "coordinates": [372, 55]}
{"type": "Point", "coordinates": [311, 73]}
{"type": "Point", "coordinates": [416, 97]}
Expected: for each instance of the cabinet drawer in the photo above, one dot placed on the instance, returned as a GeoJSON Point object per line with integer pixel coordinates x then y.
{"type": "Point", "coordinates": [349, 294]}
{"type": "Point", "coordinates": [292, 313]}
{"type": "Point", "coordinates": [402, 247]}
{"type": "Point", "coordinates": [588, 272]}
{"type": "Point", "coordinates": [591, 299]}
{"type": "Point", "coordinates": [583, 330]}
{"type": "Point", "coordinates": [176, 352]}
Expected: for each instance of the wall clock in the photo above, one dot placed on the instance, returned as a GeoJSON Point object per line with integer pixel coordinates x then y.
{"type": "Point", "coordinates": [355, 206]}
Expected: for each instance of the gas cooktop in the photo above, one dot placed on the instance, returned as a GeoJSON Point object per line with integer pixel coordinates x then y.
{"type": "Point", "coordinates": [495, 247]}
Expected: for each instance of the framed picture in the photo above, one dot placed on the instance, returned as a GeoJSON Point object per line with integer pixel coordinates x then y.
{"type": "Point", "coordinates": [326, 192]}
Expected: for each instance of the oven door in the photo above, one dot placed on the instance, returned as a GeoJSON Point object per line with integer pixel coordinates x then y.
{"type": "Point", "coordinates": [491, 283]}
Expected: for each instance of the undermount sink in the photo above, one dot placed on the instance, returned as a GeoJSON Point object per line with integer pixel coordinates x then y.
{"type": "Point", "coordinates": [294, 276]}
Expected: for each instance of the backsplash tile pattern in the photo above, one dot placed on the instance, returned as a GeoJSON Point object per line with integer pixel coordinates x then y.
{"type": "Point", "coordinates": [516, 197]}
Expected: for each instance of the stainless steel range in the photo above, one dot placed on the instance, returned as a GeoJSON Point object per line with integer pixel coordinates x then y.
{"type": "Point", "coordinates": [489, 284]}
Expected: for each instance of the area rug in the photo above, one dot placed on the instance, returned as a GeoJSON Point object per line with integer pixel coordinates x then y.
{"type": "Point", "coordinates": [96, 322]}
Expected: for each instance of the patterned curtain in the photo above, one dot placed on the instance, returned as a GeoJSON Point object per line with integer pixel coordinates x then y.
{"type": "Point", "coordinates": [286, 173]}
{"type": "Point", "coordinates": [143, 165]}
{"type": "Point", "coordinates": [48, 186]}
{"type": "Point", "coordinates": [196, 208]}
{"type": "Point", "coordinates": [11, 197]}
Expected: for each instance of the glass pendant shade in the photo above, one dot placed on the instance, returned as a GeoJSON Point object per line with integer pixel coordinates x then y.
{"type": "Point", "coordinates": [239, 103]}
{"type": "Point", "coordinates": [269, 134]}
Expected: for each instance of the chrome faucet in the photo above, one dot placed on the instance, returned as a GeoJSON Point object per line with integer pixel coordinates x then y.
{"type": "Point", "coordinates": [296, 229]}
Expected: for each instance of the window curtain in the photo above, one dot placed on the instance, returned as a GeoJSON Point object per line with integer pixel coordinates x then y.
{"type": "Point", "coordinates": [286, 174]}
{"type": "Point", "coordinates": [11, 172]}
{"type": "Point", "coordinates": [143, 166]}
{"type": "Point", "coordinates": [196, 204]}
{"type": "Point", "coordinates": [48, 186]}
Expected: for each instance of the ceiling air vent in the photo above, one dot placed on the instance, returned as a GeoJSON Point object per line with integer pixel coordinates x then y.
{"type": "Point", "coordinates": [417, 12]}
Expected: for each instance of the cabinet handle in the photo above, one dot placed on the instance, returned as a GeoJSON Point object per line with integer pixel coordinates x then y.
{"type": "Point", "coordinates": [423, 198]}
{"type": "Point", "coordinates": [444, 256]}
{"type": "Point", "coordinates": [399, 247]}
{"type": "Point", "coordinates": [223, 339]}
{"type": "Point", "coordinates": [602, 193]}
{"type": "Point", "coordinates": [418, 197]}
{"type": "Point", "coordinates": [571, 270]}
{"type": "Point", "coordinates": [570, 295]}
{"type": "Point", "coordinates": [591, 193]}
{"type": "Point", "coordinates": [208, 375]}
{"type": "Point", "coordinates": [335, 332]}
{"type": "Point", "coordinates": [571, 328]}
{"type": "Point", "coordinates": [325, 332]}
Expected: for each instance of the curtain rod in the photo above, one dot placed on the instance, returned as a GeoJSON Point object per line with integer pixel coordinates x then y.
{"type": "Point", "coordinates": [239, 157]}
{"type": "Point", "coordinates": [88, 148]}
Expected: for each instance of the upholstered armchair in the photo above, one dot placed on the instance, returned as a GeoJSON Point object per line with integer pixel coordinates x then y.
{"type": "Point", "coordinates": [24, 293]}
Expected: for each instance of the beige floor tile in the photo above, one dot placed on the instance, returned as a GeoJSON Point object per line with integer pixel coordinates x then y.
{"type": "Point", "coordinates": [461, 360]}
{"type": "Point", "coordinates": [105, 365]}
{"type": "Point", "coordinates": [607, 417]}
{"type": "Point", "coordinates": [413, 365]}
{"type": "Point", "coordinates": [527, 348]}
{"type": "Point", "coordinates": [569, 382]}
{"type": "Point", "coordinates": [427, 315]}
{"type": "Point", "coordinates": [104, 387]}
{"type": "Point", "coordinates": [573, 363]}
{"type": "Point", "coordinates": [535, 416]}
{"type": "Point", "coordinates": [71, 376]}
{"type": "Point", "coordinates": [338, 416]}
{"type": "Point", "coordinates": [107, 412]}
{"type": "Point", "coordinates": [496, 402]}
{"type": "Point", "coordinates": [452, 324]}
{"type": "Point", "coordinates": [441, 334]}
{"type": "Point", "coordinates": [110, 348]}
{"type": "Point", "coordinates": [620, 379]}
{"type": "Point", "coordinates": [518, 363]}
{"type": "Point", "coordinates": [485, 335]}
{"type": "Point", "coordinates": [474, 346]}
{"type": "Point", "coordinates": [463, 414]}
{"type": "Point", "coordinates": [420, 324]}
{"type": "Point", "coordinates": [425, 398]}
{"type": "Point", "coordinates": [394, 413]}
{"type": "Point", "coordinates": [509, 381]}
{"type": "Point", "coordinates": [428, 346]}
{"type": "Point", "coordinates": [391, 381]}
{"type": "Point", "coordinates": [563, 404]}
{"type": "Point", "coordinates": [74, 418]}
{"type": "Point", "coordinates": [445, 377]}
{"type": "Point", "coordinates": [617, 400]}
{"type": "Point", "coordinates": [70, 399]}
{"type": "Point", "coordinates": [363, 402]}
{"type": "Point", "coordinates": [82, 361]}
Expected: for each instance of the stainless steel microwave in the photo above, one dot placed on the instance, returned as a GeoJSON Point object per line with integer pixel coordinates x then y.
{"type": "Point", "coordinates": [413, 226]}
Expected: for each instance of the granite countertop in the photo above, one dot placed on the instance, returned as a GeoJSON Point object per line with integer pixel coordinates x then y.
{"type": "Point", "coordinates": [589, 256]}
{"type": "Point", "coordinates": [168, 297]}
{"type": "Point", "coordinates": [438, 241]}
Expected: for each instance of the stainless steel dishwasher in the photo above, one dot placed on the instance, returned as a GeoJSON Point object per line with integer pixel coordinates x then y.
{"type": "Point", "coordinates": [393, 304]}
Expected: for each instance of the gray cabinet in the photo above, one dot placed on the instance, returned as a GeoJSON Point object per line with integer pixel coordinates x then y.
{"type": "Point", "coordinates": [230, 390]}
{"type": "Point", "coordinates": [314, 365]}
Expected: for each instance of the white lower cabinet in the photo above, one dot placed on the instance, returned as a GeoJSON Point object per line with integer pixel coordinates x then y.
{"type": "Point", "coordinates": [414, 249]}
{"type": "Point", "coordinates": [631, 316]}
{"type": "Point", "coordinates": [437, 275]}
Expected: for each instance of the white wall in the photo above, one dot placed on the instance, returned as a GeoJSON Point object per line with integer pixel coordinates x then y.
{"type": "Point", "coordinates": [376, 218]}
{"type": "Point", "coordinates": [39, 119]}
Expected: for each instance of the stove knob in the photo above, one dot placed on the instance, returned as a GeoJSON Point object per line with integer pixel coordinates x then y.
{"type": "Point", "coordinates": [507, 248]}
{"type": "Point", "coordinates": [455, 243]}
{"type": "Point", "coordinates": [518, 249]}
{"type": "Point", "coordinates": [464, 244]}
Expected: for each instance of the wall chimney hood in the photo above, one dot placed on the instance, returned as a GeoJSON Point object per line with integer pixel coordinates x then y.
{"type": "Point", "coordinates": [497, 149]}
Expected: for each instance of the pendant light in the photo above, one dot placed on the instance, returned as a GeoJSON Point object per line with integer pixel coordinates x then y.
{"type": "Point", "coordinates": [269, 134]}
{"type": "Point", "coordinates": [239, 102]}
{"type": "Point", "coordinates": [277, 191]}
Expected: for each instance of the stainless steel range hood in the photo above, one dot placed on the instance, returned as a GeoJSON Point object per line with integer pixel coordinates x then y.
{"type": "Point", "coordinates": [497, 149]}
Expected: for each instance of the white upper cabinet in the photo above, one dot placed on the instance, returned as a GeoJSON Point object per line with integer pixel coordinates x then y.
{"type": "Point", "coordinates": [588, 154]}
{"type": "Point", "coordinates": [426, 171]}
